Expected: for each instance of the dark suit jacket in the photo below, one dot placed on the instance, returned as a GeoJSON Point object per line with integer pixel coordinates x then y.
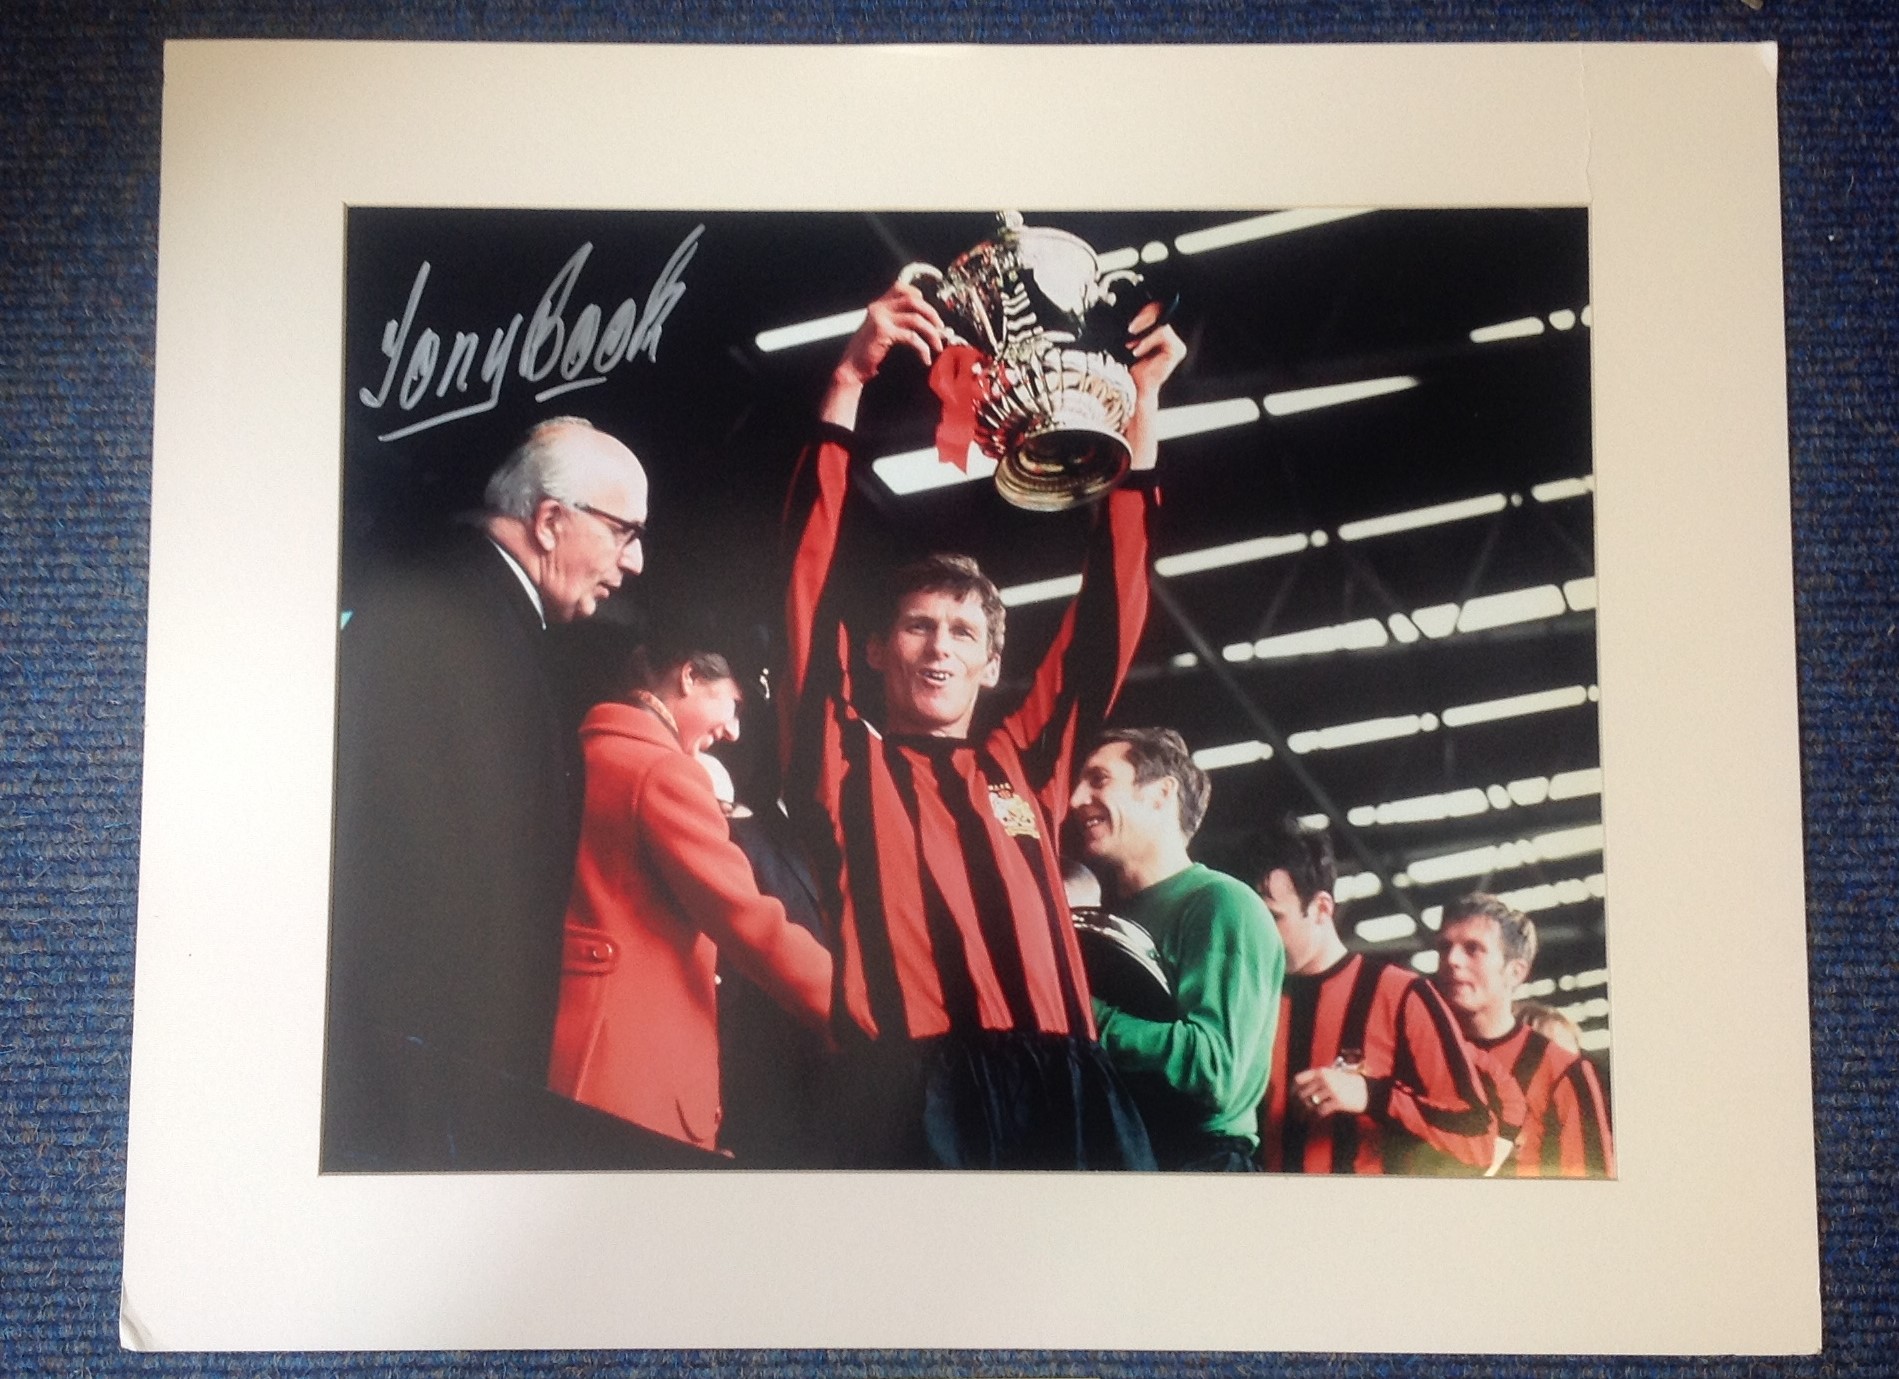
{"type": "Point", "coordinates": [456, 809]}
{"type": "Point", "coordinates": [773, 1070]}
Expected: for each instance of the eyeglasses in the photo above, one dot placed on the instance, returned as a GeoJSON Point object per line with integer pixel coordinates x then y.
{"type": "Point", "coordinates": [627, 532]}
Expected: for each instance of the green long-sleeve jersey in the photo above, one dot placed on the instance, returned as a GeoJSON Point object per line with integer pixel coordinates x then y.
{"type": "Point", "coordinates": [1221, 952]}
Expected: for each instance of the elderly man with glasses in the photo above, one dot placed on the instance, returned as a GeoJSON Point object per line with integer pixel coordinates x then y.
{"type": "Point", "coordinates": [457, 794]}
{"type": "Point", "coordinates": [568, 510]}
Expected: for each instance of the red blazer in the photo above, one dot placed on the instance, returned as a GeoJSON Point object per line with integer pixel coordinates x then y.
{"type": "Point", "coordinates": [659, 888]}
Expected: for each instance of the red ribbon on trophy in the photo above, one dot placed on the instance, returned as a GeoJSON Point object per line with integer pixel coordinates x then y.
{"type": "Point", "coordinates": [956, 379]}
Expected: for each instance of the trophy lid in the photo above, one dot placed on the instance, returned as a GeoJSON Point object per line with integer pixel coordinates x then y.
{"type": "Point", "coordinates": [1063, 266]}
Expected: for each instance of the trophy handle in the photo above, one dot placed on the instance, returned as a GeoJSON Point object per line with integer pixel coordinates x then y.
{"type": "Point", "coordinates": [931, 282]}
{"type": "Point", "coordinates": [926, 277]}
{"type": "Point", "coordinates": [1123, 305]}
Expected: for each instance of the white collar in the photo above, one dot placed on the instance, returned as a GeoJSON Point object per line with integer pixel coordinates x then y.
{"type": "Point", "coordinates": [526, 583]}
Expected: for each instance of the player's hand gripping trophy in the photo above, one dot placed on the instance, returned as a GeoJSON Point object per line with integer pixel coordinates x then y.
{"type": "Point", "coordinates": [1063, 413]}
{"type": "Point", "coordinates": [1044, 364]}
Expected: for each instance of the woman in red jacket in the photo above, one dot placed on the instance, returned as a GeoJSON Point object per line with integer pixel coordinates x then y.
{"type": "Point", "coordinates": [659, 889]}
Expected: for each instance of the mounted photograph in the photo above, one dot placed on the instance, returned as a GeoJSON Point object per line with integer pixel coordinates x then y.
{"type": "Point", "coordinates": [1038, 689]}
{"type": "Point", "coordinates": [767, 731]}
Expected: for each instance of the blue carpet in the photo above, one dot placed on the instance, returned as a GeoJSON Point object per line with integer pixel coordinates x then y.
{"type": "Point", "coordinates": [79, 188]}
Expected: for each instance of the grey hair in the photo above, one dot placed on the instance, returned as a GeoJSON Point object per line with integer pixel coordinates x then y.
{"type": "Point", "coordinates": [539, 467]}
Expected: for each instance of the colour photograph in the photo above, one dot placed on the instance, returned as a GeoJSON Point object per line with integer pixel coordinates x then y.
{"type": "Point", "coordinates": [1030, 689]}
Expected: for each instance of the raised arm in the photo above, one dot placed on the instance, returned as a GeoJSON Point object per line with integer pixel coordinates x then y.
{"type": "Point", "coordinates": [900, 319]}
{"type": "Point", "coordinates": [1157, 353]}
{"type": "Point", "coordinates": [1082, 672]}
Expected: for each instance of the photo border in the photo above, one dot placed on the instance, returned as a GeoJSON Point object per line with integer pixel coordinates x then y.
{"type": "Point", "coordinates": [232, 1239]}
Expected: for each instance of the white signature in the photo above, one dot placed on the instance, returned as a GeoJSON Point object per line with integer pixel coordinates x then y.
{"type": "Point", "coordinates": [583, 352]}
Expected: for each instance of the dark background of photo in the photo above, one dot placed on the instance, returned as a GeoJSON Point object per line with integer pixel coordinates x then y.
{"type": "Point", "coordinates": [718, 422]}
{"type": "Point", "coordinates": [79, 196]}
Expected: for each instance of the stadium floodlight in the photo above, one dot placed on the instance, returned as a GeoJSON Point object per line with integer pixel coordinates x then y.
{"type": "Point", "coordinates": [1232, 754]}
{"type": "Point", "coordinates": [1412, 519]}
{"type": "Point", "coordinates": [1259, 227]}
{"type": "Point", "coordinates": [1455, 866]}
{"type": "Point", "coordinates": [1524, 792]}
{"type": "Point", "coordinates": [919, 471]}
{"type": "Point", "coordinates": [1354, 734]}
{"type": "Point", "coordinates": [1038, 591]}
{"type": "Point", "coordinates": [1334, 394]}
{"type": "Point", "coordinates": [1358, 885]}
{"type": "Point", "coordinates": [1515, 706]}
{"type": "Point", "coordinates": [1363, 635]}
{"type": "Point", "coordinates": [1193, 418]}
{"type": "Point", "coordinates": [1517, 605]}
{"type": "Point", "coordinates": [1568, 842]}
{"type": "Point", "coordinates": [1570, 891]}
{"type": "Point", "coordinates": [1439, 620]}
{"type": "Point", "coordinates": [1556, 490]}
{"type": "Point", "coordinates": [1521, 328]}
{"type": "Point", "coordinates": [1595, 1008]}
{"type": "Point", "coordinates": [1530, 790]}
{"type": "Point", "coordinates": [808, 332]}
{"type": "Point", "coordinates": [1386, 928]}
{"type": "Point", "coordinates": [1567, 785]}
{"type": "Point", "coordinates": [1451, 804]}
{"type": "Point", "coordinates": [1522, 852]}
{"type": "Point", "coordinates": [1232, 553]}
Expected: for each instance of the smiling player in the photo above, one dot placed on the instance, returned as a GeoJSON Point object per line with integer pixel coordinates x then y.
{"type": "Point", "coordinates": [1198, 1077]}
{"type": "Point", "coordinates": [961, 1011]}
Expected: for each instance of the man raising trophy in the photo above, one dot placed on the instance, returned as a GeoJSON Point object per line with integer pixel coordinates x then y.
{"type": "Point", "coordinates": [1036, 368]}
{"type": "Point", "coordinates": [961, 1010]}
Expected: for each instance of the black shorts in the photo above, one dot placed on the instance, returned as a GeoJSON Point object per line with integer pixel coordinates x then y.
{"type": "Point", "coordinates": [990, 1099]}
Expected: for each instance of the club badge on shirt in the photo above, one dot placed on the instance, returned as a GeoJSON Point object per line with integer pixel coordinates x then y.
{"type": "Point", "coordinates": [1015, 814]}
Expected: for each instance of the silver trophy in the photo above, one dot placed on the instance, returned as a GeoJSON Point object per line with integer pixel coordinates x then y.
{"type": "Point", "coordinates": [1053, 394]}
{"type": "Point", "coordinates": [1123, 965]}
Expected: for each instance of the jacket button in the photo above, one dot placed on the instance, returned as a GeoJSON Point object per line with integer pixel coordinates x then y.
{"type": "Point", "coordinates": [597, 953]}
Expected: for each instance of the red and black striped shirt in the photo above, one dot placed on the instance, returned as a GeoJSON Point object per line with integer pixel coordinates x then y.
{"type": "Point", "coordinates": [1428, 1112]}
{"type": "Point", "coordinates": [1566, 1117]}
{"type": "Point", "coordinates": [938, 856]}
